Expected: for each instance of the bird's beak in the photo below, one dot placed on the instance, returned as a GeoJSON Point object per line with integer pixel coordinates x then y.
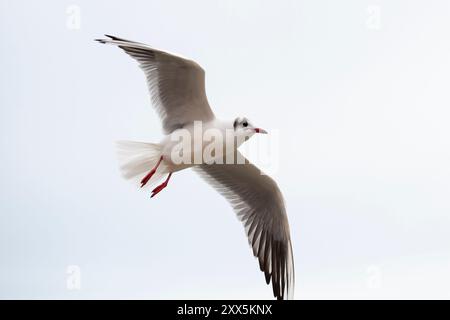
{"type": "Point", "coordinates": [259, 130]}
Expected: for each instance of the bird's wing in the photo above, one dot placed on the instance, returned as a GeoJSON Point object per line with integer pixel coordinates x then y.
{"type": "Point", "coordinates": [176, 85]}
{"type": "Point", "coordinates": [259, 204]}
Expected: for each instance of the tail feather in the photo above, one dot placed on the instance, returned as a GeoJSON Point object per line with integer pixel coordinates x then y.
{"type": "Point", "coordinates": [136, 159]}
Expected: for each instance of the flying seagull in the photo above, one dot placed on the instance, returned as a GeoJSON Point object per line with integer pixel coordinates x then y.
{"type": "Point", "coordinates": [177, 90]}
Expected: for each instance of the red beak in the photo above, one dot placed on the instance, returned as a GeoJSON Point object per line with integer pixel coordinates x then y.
{"type": "Point", "coordinates": [259, 130]}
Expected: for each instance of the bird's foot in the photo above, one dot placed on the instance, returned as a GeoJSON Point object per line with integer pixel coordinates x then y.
{"type": "Point", "coordinates": [161, 186]}
{"type": "Point", "coordinates": [151, 173]}
{"type": "Point", "coordinates": [158, 189]}
{"type": "Point", "coordinates": [147, 177]}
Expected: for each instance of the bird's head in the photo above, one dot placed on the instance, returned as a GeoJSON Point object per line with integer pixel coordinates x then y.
{"type": "Point", "coordinates": [243, 127]}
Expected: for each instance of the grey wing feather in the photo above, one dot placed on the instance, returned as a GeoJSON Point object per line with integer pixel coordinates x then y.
{"type": "Point", "coordinates": [258, 203]}
{"type": "Point", "coordinates": [176, 84]}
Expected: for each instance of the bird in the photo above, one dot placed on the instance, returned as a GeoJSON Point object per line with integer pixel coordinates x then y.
{"type": "Point", "coordinates": [177, 90]}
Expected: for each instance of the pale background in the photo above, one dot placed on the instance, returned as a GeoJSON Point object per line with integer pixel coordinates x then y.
{"type": "Point", "coordinates": [358, 90]}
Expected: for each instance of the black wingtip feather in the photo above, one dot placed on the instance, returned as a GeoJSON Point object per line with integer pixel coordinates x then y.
{"type": "Point", "coordinates": [267, 275]}
{"type": "Point", "coordinates": [106, 40]}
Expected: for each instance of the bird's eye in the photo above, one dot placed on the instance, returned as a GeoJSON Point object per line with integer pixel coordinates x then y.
{"type": "Point", "coordinates": [245, 124]}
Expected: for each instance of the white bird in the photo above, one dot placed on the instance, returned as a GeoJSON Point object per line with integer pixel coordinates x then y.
{"type": "Point", "coordinates": [177, 89]}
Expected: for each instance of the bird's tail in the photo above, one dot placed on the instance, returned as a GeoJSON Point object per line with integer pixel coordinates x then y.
{"type": "Point", "coordinates": [136, 159]}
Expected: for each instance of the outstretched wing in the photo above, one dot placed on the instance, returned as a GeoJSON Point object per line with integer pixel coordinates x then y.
{"type": "Point", "coordinates": [259, 204]}
{"type": "Point", "coordinates": [176, 85]}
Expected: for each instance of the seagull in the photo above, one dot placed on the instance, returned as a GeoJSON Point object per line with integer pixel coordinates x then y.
{"type": "Point", "coordinates": [177, 90]}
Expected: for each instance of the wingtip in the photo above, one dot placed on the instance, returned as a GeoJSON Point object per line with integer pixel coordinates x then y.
{"type": "Point", "coordinates": [267, 276]}
{"type": "Point", "coordinates": [106, 40]}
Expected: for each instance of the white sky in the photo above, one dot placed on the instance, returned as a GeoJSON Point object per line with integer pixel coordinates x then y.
{"type": "Point", "coordinates": [357, 90]}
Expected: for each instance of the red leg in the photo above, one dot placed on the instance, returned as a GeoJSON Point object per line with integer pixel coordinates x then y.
{"type": "Point", "coordinates": [161, 186]}
{"type": "Point", "coordinates": [151, 173]}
